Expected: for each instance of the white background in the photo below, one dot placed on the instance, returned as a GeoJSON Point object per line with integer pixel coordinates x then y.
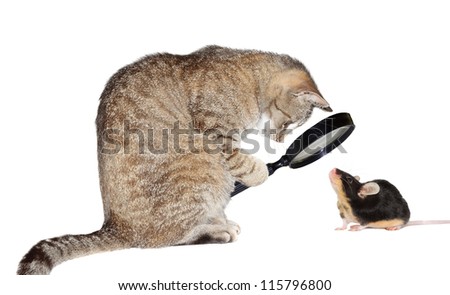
{"type": "Point", "coordinates": [386, 63]}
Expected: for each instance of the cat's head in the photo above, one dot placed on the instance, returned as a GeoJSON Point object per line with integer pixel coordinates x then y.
{"type": "Point", "coordinates": [290, 99]}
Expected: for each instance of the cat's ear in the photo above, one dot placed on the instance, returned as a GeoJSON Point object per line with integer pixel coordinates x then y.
{"type": "Point", "coordinates": [315, 99]}
{"type": "Point", "coordinates": [370, 188]}
{"type": "Point", "coordinates": [305, 88]}
{"type": "Point", "coordinates": [298, 84]}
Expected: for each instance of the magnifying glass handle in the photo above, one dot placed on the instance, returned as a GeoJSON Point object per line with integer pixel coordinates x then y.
{"type": "Point", "coordinates": [239, 187]}
{"type": "Point", "coordinates": [271, 167]}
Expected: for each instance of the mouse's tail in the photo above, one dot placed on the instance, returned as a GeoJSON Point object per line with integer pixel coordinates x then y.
{"type": "Point", "coordinates": [427, 222]}
{"type": "Point", "coordinates": [46, 254]}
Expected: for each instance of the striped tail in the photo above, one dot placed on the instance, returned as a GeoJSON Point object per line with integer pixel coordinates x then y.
{"type": "Point", "coordinates": [46, 254]}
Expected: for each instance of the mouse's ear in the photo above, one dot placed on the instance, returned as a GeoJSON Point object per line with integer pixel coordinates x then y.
{"type": "Point", "coordinates": [358, 178]}
{"type": "Point", "coordinates": [370, 188]}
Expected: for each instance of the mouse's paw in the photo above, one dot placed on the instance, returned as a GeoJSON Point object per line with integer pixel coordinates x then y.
{"type": "Point", "coordinates": [392, 228]}
{"type": "Point", "coordinates": [344, 224]}
{"type": "Point", "coordinates": [357, 227]}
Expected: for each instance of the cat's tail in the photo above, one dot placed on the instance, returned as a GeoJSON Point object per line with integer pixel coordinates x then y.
{"type": "Point", "coordinates": [46, 254]}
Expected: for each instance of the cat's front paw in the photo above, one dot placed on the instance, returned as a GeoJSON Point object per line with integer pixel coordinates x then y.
{"type": "Point", "coordinates": [257, 174]}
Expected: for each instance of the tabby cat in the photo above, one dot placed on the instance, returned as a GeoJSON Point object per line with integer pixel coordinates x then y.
{"type": "Point", "coordinates": [168, 147]}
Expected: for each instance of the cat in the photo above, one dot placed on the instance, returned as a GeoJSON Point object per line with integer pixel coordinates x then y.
{"type": "Point", "coordinates": [161, 184]}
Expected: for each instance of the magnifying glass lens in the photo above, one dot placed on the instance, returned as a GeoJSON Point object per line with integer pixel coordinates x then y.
{"type": "Point", "coordinates": [318, 145]}
{"type": "Point", "coordinates": [312, 145]}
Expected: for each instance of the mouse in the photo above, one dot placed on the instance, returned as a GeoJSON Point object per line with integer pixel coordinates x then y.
{"type": "Point", "coordinates": [373, 204]}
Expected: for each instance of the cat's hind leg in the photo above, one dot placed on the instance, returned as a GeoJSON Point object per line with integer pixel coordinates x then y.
{"type": "Point", "coordinates": [213, 233]}
{"type": "Point", "coordinates": [189, 208]}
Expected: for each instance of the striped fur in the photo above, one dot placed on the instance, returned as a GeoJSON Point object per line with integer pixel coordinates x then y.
{"type": "Point", "coordinates": [161, 186]}
{"type": "Point", "coordinates": [48, 253]}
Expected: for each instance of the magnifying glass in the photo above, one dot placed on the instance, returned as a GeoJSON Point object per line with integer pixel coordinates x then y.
{"type": "Point", "coordinates": [312, 145]}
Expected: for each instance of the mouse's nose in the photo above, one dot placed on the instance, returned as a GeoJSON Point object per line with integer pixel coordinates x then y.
{"type": "Point", "coordinates": [333, 173]}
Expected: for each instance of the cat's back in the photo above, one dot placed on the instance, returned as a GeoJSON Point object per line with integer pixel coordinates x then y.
{"type": "Point", "coordinates": [159, 69]}
{"type": "Point", "coordinates": [144, 90]}
{"type": "Point", "coordinates": [160, 87]}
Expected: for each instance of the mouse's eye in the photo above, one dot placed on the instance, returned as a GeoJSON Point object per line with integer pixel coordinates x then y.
{"type": "Point", "coordinates": [349, 179]}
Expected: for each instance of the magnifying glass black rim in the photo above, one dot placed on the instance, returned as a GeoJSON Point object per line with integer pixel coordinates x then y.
{"type": "Point", "coordinates": [324, 127]}
{"type": "Point", "coordinates": [319, 130]}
